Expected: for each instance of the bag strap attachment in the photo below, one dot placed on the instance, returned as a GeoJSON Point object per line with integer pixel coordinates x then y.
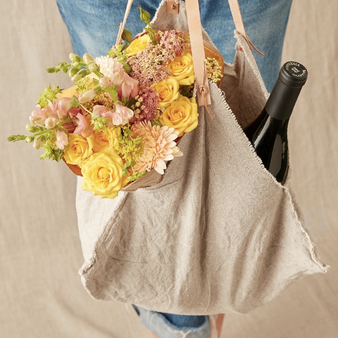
{"type": "Point", "coordinates": [198, 55]}
{"type": "Point", "coordinates": [173, 6]}
{"type": "Point", "coordinates": [238, 20]}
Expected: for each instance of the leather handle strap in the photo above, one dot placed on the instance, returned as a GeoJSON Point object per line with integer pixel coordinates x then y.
{"type": "Point", "coordinates": [197, 49]}
{"type": "Point", "coordinates": [122, 24]}
{"type": "Point", "coordinates": [238, 20]}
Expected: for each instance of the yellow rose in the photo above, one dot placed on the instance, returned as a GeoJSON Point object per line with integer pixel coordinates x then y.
{"type": "Point", "coordinates": [105, 138]}
{"type": "Point", "coordinates": [138, 44]}
{"type": "Point", "coordinates": [182, 69]}
{"type": "Point", "coordinates": [102, 174]}
{"type": "Point", "coordinates": [80, 149]}
{"type": "Point", "coordinates": [167, 91]}
{"type": "Point", "coordinates": [181, 115]}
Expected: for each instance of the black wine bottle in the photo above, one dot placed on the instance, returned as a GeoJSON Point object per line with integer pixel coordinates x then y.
{"type": "Point", "coordinates": [268, 133]}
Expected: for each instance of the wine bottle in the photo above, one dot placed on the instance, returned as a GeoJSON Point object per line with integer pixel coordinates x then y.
{"type": "Point", "coordinates": [268, 133]}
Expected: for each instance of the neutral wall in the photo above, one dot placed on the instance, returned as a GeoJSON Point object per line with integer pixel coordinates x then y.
{"type": "Point", "coordinates": [41, 294]}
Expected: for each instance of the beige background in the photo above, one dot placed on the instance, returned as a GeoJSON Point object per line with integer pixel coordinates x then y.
{"type": "Point", "coordinates": [41, 294]}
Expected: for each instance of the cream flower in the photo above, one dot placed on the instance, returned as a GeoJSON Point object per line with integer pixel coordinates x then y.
{"type": "Point", "coordinates": [159, 146]}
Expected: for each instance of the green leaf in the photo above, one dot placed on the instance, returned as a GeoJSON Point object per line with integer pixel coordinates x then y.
{"type": "Point", "coordinates": [58, 155]}
{"type": "Point", "coordinates": [74, 102]}
{"type": "Point", "coordinates": [127, 132]}
{"type": "Point", "coordinates": [155, 123]}
{"type": "Point", "coordinates": [126, 68]}
{"type": "Point", "coordinates": [127, 35]}
{"type": "Point", "coordinates": [112, 92]}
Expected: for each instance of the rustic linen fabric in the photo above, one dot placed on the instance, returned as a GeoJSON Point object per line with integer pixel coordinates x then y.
{"type": "Point", "coordinates": [218, 234]}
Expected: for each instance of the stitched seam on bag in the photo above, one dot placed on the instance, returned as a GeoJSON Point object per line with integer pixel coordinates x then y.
{"type": "Point", "coordinates": [305, 234]}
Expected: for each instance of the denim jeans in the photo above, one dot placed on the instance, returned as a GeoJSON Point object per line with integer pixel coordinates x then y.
{"type": "Point", "coordinates": [167, 325]}
{"type": "Point", "coordinates": [92, 25]}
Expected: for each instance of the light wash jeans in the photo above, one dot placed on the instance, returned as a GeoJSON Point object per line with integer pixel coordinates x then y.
{"type": "Point", "coordinates": [92, 25]}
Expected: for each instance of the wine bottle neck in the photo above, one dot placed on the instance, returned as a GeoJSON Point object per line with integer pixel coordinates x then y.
{"type": "Point", "coordinates": [282, 101]}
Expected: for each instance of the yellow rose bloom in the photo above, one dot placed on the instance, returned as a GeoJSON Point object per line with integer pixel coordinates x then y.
{"type": "Point", "coordinates": [182, 69]}
{"type": "Point", "coordinates": [181, 115]}
{"type": "Point", "coordinates": [102, 174]}
{"type": "Point", "coordinates": [167, 91]}
{"type": "Point", "coordinates": [100, 141]}
{"type": "Point", "coordinates": [103, 139]}
{"type": "Point", "coordinates": [138, 44]}
{"type": "Point", "coordinates": [80, 149]}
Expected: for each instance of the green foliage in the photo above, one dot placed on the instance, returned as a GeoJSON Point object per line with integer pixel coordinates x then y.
{"type": "Point", "coordinates": [116, 51]}
{"type": "Point", "coordinates": [129, 148]}
{"type": "Point", "coordinates": [145, 17]}
{"type": "Point", "coordinates": [74, 102]}
{"type": "Point", "coordinates": [49, 94]}
{"type": "Point", "coordinates": [84, 84]}
{"type": "Point", "coordinates": [136, 176]}
{"type": "Point", "coordinates": [98, 121]}
{"type": "Point", "coordinates": [55, 153]}
{"type": "Point", "coordinates": [155, 122]}
{"type": "Point", "coordinates": [127, 35]}
{"type": "Point", "coordinates": [15, 138]}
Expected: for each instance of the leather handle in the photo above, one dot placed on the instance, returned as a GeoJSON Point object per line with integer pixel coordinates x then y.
{"type": "Point", "coordinates": [197, 49]}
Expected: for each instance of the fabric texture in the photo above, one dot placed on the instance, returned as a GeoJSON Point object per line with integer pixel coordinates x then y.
{"type": "Point", "coordinates": [40, 290]}
{"type": "Point", "coordinates": [218, 234]}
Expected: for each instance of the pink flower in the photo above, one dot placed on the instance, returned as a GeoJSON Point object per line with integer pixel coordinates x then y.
{"type": "Point", "coordinates": [87, 96]}
{"type": "Point", "coordinates": [100, 110]}
{"type": "Point", "coordinates": [63, 106]}
{"type": "Point", "coordinates": [159, 146]}
{"type": "Point", "coordinates": [104, 81]}
{"type": "Point", "coordinates": [129, 86]}
{"type": "Point", "coordinates": [122, 115]}
{"type": "Point", "coordinates": [114, 72]}
{"type": "Point", "coordinates": [70, 127]}
{"type": "Point", "coordinates": [61, 139]}
{"type": "Point", "coordinates": [38, 116]}
{"type": "Point", "coordinates": [50, 123]}
{"type": "Point", "coordinates": [83, 126]}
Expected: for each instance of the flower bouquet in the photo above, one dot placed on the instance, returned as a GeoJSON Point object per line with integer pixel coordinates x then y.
{"type": "Point", "coordinates": [126, 113]}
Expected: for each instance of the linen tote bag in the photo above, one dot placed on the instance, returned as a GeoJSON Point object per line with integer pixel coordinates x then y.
{"type": "Point", "coordinates": [218, 234]}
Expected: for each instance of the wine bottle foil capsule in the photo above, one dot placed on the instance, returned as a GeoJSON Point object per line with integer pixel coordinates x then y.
{"type": "Point", "coordinates": [292, 78]}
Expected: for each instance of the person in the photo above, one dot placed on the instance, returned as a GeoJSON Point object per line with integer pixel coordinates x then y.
{"type": "Point", "coordinates": [93, 27]}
